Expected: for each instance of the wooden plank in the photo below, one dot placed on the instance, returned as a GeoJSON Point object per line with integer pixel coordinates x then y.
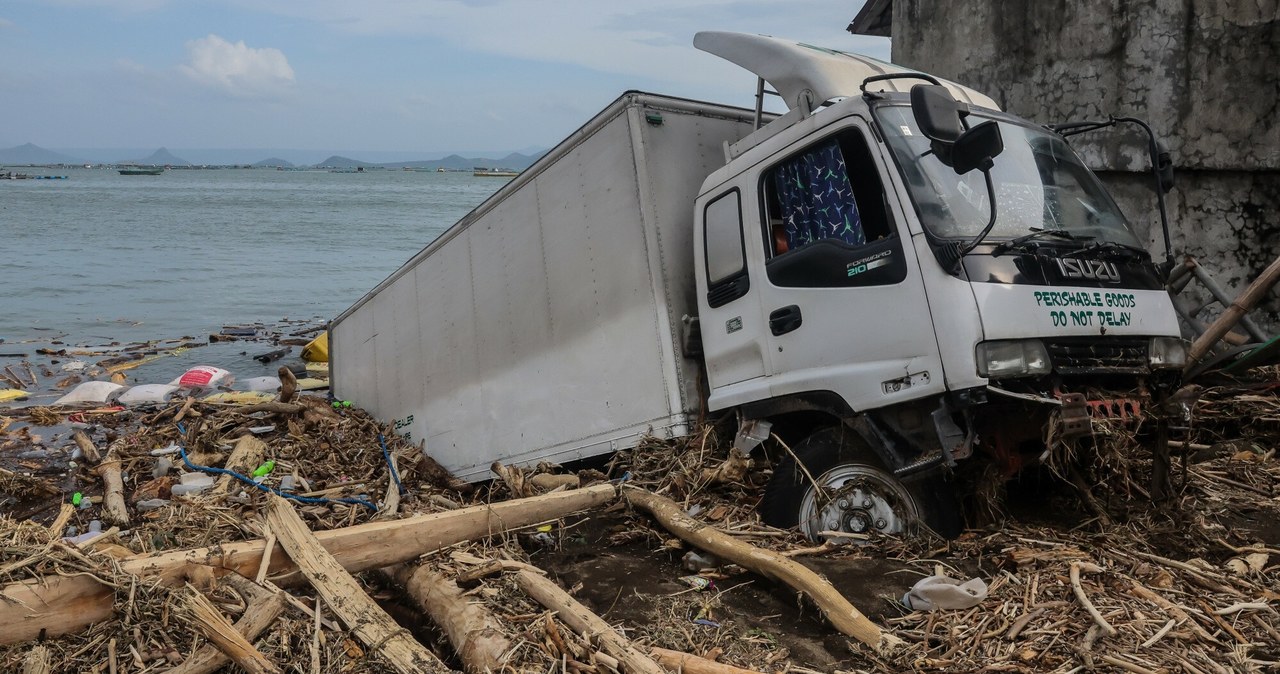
{"type": "Point", "coordinates": [62, 604]}
{"type": "Point", "coordinates": [374, 628]}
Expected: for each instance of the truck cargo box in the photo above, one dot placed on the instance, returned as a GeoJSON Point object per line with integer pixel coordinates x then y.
{"type": "Point", "coordinates": [547, 323]}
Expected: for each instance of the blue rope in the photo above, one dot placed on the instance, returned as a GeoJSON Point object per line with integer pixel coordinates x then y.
{"type": "Point", "coordinates": [250, 481]}
{"type": "Point", "coordinates": [390, 466]}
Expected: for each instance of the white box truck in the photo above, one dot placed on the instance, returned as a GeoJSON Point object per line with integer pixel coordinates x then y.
{"type": "Point", "coordinates": [895, 275]}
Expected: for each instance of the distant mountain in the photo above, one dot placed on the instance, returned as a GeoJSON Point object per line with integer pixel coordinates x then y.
{"type": "Point", "coordinates": [34, 154]}
{"type": "Point", "coordinates": [161, 157]}
{"type": "Point", "coordinates": [336, 161]}
{"type": "Point", "coordinates": [272, 161]}
{"type": "Point", "coordinates": [515, 160]}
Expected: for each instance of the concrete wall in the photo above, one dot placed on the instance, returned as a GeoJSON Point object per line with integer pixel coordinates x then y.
{"type": "Point", "coordinates": [1204, 73]}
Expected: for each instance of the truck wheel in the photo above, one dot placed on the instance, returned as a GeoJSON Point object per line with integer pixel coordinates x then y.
{"type": "Point", "coordinates": [857, 496]}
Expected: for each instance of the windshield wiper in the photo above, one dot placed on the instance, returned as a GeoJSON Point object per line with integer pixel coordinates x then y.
{"type": "Point", "coordinates": [1112, 247]}
{"type": "Point", "coordinates": [1020, 242]}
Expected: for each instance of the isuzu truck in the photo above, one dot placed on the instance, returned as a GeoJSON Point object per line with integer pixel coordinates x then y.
{"type": "Point", "coordinates": [894, 277]}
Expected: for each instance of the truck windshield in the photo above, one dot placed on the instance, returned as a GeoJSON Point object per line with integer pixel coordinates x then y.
{"type": "Point", "coordinates": [1040, 183]}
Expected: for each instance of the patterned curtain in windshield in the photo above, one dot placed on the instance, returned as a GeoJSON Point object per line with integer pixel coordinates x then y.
{"type": "Point", "coordinates": [817, 201]}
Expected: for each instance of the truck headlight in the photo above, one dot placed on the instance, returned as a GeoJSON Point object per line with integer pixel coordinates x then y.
{"type": "Point", "coordinates": [1012, 358]}
{"type": "Point", "coordinates": [1167, 352]}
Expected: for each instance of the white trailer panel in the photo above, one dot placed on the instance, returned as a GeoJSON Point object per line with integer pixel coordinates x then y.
{"type": "Point", "coordinates": [546, 324]}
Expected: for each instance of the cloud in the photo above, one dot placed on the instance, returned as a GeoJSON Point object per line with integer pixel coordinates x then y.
{"type": "Point", "coordinates": [650, 40]}
{"type": "Point", "coordinates": [5, 23]}
{"type": "Point", "coordinates": [238, 69]}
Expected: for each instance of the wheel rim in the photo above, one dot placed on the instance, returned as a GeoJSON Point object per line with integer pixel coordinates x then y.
{"type": "Point", "coordinates": [857, 499]}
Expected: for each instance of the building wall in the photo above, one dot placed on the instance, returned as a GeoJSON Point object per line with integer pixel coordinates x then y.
{"type": "Point", "coordinates": [1204, 73]}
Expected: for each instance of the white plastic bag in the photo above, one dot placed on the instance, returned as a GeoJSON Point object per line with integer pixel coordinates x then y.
{"type": "Point", "coordinates": [90, 392]}
{"type": "Point", "coordinates": [265, 384]}
{"type": "Point", "coordinates": [147, 393]}
{"type": "Point", "coordinates": [934, 592]}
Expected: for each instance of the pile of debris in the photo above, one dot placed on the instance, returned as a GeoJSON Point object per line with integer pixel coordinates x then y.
{"type": "Point", "coordinates": [300, 535]}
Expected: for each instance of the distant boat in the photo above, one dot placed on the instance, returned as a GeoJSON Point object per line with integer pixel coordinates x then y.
{"type": "Point", "coordinates": [142, 171]}
{"type": "Point", "coordinates": [439, 169]}
{"type": "Point", "coordinates": [494, 173]}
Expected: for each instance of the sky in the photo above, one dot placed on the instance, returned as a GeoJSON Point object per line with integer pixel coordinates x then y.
{"type": "Point", "coordinates": [402, 76]}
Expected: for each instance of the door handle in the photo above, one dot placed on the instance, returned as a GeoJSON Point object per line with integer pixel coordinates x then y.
{"type": "Point", "coordinates": [784, 320]}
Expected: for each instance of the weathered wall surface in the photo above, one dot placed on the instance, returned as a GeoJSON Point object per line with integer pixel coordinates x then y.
{"type": "Point", "coordinates": [1204, 73]}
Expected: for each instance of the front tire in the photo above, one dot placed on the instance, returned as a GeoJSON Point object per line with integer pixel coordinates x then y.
{"type": "Point", "coordinates": [857, 494]}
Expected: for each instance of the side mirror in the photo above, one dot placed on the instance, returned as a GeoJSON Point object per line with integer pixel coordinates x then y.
{"type": "Point", "coordinates": [937, 113]}
{"type": "Point", "coordinates": [976, 148]}
{"type": "Point", "coordinates": [1164, 166]}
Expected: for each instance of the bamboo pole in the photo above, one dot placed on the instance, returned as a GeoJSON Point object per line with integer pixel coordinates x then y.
{"type": "Point", "coordinates": [1242, 305]}
{"type": "Point", "coordinates": [371, 625]}
{"type": "Point", "coordinates": [62, 604]}
{"type": "Point", "coordinates": [839, 612]}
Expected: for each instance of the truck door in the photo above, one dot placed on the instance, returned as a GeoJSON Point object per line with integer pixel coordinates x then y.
{"type": "Point", "coordinates": [729, 311]}
{"type": "Point", "coordinates": [842, 298]}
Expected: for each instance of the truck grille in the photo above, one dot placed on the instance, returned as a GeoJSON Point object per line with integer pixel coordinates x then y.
{"type": "Point", "coordinates": [1098, 355]}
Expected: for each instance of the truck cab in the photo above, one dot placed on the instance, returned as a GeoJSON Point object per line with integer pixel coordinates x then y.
{"type": "Point", "coordinates": [891, 312]}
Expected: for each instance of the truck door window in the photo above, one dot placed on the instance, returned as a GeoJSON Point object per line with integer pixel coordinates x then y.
{"type": "Point", "coordinates": [827, 219]}
{"type": "Point", "coordinates": [726, 257]}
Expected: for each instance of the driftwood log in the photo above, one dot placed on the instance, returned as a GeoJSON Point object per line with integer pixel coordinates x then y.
{"type": "Point", "coordinates": [361, 614]}
{"type": "Point", "coordinates": [473, 632]}
{"type": "Point", "coordinates": [592, 627]}
{"type": "Point", "coordinates": [219, 631]}
{"type": "Point", "coordinates": [114, 509]}
{"type": "Point", "coordinates": [677, 661]}
{"type": "Point", "coordinates": [264, 606]}
{"type": "Point", "coordinates": [839, 612]}
{"type": "Point", "coordinates": [62, 604]}
{"type": "Point", "coordinates": [37, 661]}
{"type": "Point", "coordinates": [245, 457]}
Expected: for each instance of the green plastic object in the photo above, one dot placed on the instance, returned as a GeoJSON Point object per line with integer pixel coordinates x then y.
{"type": "Point", "coordinates": [264, 469]}
{"type": "Point", "coordinates": [76, 498]}
{"type": "Point", "coordinates": [1266, 354]}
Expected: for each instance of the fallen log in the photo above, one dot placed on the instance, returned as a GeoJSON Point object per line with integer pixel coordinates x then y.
{"type": "Point", "coordinates": [62, 604]}
{"type": "Point", "coordinates": [688, 663]}
{"type": "Point", "coordinates": [839, 612]}
{"type": "Point", "coordinates": [215, 627]}
{"type": "Point", "coordinates": [475, 635]}
{"type": "Point", "coordinates": [592, 627]}
{"type": "Point", "coordinates": [264, 607]}
{"type": "Point", "coordinates": [372, 625]}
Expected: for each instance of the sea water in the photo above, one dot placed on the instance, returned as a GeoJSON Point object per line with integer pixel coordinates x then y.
{"type": "Point", "coordinates": [101, 257]}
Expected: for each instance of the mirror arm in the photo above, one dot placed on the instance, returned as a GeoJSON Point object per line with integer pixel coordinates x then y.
{"type": "Point", "coordinates": [1154, 149]}
{"type": "Point", "coordinates": [991, 198]}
